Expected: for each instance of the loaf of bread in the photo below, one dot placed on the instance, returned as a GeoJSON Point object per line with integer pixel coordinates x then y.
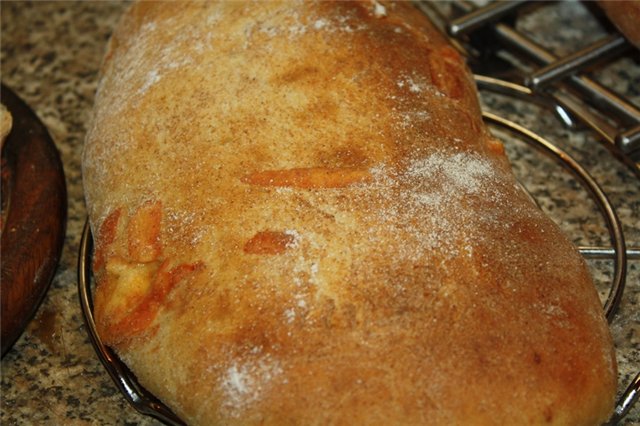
{"type": "Point", "coordinates": [300, 218]}
{"type": "Point", "coordinates": [625, 14]}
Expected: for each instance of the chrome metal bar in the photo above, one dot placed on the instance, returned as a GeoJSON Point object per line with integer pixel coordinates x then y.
{"type": "Point", "coordinates": [593, 91]}
{"type": "Point", "coordinates": [581, 111]}
{"type": "Point", "coordinates": [597, 252]}
{"type": "Point", "coordinates": [605, 98]}
{"type": "Point", "coordinates": [482, 16]}
{"type": "Point", "coordinates": [524, 44]}
{"type": "Point", "coordinates": [564, 101]}
{"type": "Point", "coordinates": [629, 143]}
{"type": "Point", "coordinates": [522, 92]}
{"type": "Point", "coordinates": [576, 61]}
{"type": "Point", "coordinates": [566, 118]}
{"type": "Point", "coordinates": [464, 6]}
{"type": "Point", "coordinates": [628, 399]}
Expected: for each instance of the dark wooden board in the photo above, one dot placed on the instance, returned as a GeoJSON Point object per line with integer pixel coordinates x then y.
{"type": "Point", "coordinates": [34, 212]}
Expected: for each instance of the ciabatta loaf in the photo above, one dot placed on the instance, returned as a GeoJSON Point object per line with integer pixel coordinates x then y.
{"type": "Point", "coordinates": [300, 218]}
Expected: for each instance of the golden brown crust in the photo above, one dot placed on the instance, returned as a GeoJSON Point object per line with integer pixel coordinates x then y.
{"type": "Point", "coordinates": [301, 219]}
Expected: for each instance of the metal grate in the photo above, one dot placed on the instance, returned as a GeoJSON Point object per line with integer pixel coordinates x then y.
{"type": "Point", "coordinates": [489, 32]}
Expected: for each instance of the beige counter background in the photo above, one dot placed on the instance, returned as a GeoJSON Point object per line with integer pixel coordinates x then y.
{"type": "Point", "coordinates": [51, 53]}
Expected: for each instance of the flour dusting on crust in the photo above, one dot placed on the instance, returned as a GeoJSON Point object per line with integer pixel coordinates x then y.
{"type": "Point", "coordinates": [244, 382]}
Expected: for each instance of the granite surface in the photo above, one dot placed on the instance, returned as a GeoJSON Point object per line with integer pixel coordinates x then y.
{"type": "Point", "coordinates": [51, 52]}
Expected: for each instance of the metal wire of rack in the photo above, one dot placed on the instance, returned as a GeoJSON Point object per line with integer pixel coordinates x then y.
{"type": "Point", "coordinates": [480, 31]}
{"type": "Point", "coordinates": [487, 34]}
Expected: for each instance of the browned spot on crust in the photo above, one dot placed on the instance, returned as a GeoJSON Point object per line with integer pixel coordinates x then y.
{"type": "Point", "coordinates": [445, 66]}
{"type": "Point", "coordinates": [144, 232]}
{"type": "Point", "coordinates": [309, 178]}
{"type": "Point", "coordinates": [537, 358]}
{"type": "Point", "coordinates": [269, 242]}
{"type": "Point", "coordinates": [105, 237]}
{"type": "Point", "coordinates": [298, 73]}
{"type": "Point", "coordinates": [323, 107]}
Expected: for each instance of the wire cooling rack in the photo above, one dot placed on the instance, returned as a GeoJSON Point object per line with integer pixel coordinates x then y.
{"type": "Point", "coordinates": [490, 35]}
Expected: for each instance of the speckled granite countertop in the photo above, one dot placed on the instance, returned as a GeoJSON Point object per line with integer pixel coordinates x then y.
{"type": "Point", "coordinates": [51, 52]}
